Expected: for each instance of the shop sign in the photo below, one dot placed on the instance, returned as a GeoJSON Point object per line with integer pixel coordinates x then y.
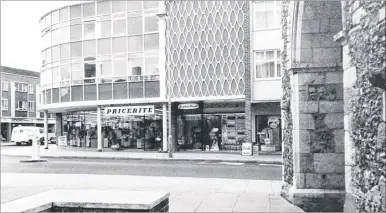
{"type": "Point", "coordinates": [246, 149]}
{"type": "Point", "coordinates": [130, 110]}
{"type": "Point", "coordinates": [273, 122]}
{"type": "Point", "coordinates": [62, 140]}
{"type": "Point", "coordinates": [188, 106]}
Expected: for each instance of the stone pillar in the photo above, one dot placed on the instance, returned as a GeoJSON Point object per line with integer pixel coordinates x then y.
{"type": "Point", "coordinates": [99, 129]}
{"type": "Point", "coordinates": [164, 128]}
{"type": "Point", "coordinates": [46, 129]}
{"type": "Point", "coordinates": [318, 139]}
{"type": "Point", "coordinates": [58, 125]}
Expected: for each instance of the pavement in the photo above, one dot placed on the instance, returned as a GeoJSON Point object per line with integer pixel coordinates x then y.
{"type": "Point", "coordinates": [186, 194]}
{"type": "Point", "coordinates": [55, 151]}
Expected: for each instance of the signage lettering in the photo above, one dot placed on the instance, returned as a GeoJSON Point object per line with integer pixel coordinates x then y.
{"type": "Point", "coordinates": [131, 110]}
{"type": "Point", "coordinates": [188, 106]}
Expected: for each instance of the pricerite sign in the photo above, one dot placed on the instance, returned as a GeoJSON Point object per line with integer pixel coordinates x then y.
{"type": "Point", "coordinates": [130, 110]}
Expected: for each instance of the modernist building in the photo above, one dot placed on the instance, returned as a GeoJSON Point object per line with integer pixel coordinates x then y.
{"type": "Point", "coordinates": [19, 101]}
{"type": "Point", "coordinates": [112, 70]}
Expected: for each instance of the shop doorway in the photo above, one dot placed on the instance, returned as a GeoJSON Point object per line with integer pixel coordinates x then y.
{"type": "Point", "coordinates": [213, 136]}
{"type": "Point", "coordinates": [268, 131]}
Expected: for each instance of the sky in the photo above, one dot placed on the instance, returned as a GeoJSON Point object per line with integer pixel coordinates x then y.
{"type": "Point", "coordinates": [20, 31]}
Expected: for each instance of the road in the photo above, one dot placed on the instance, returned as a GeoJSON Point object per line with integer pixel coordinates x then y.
{"type": "Point", "coordinates": [229, 170]}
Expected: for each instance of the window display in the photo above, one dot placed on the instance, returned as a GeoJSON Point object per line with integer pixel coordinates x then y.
{"type": "Point", "coordinates": [268, 131]}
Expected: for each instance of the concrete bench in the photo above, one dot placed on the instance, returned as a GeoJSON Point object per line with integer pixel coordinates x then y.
{"type": "Point", "coordinates": [90, 201]}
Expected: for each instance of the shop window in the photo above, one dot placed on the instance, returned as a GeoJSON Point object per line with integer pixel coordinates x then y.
{"type": "Point", "coordinates": [89, 30]}
{"type": "Point", "coordinates": [55, 17]}
{"type": "Point", "coordinates": [4, 104]}
{"type": "Point", "coordinates": [104, 7]}
{"type": "Point", "coordinates": [64, 15]}
{"type": "Point", "coordinates": [31, 106]}
{"type": "Point", "coordinates": [105, 29]}
{"type": "Point", "coordinates": [119, 45]}
{"type": "Point", "coordinates": [151, 24]}
{"type": "Point", "coordinates": [104, 46]}
{"type": "Point", "coordinates": [89, 48]}
{"type": "Point", "coordinates": [151, 42]}
{"type": "Point", "coordinates": [31, 89]}
{"type": "Point", "coordinates": [134, 25]}
{"type": "Point", "coordinates": [119, 6]}
{"type": "Point", "coordinates": [4, 85]}
{"type": "Point", "coordinates": [267, 14]}
{"type": "Point", "coordinates": [135, 43]}
{"type": "Point", "coordinates": [76, 49]}
{"type": "Point", "coordinates": [268, 131]}
{"type": "Point", "coordinates": [55, 53]}
{"type": "Point", "coordinates": [21, 105]}
{"type": "Point", "coordinates": [75, 11]}
{"type": "Point", "coordinates": [64, 51]}
{"type": "Point", "coordinates": [76, 32]}
{"type": "Point", "coordinates": [135, 66]}
{"type": "Point", "coordinates": [134, 5]}
{"type": "Point", "coordinates": [88, 9]}
{"type": "Point", "coordinates": [119, 27]}
{"type": "Point", "coordinates": [267, 64]}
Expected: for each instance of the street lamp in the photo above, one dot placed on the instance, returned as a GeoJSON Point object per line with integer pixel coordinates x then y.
{"type": "Point", "coordinates": [162, 17]}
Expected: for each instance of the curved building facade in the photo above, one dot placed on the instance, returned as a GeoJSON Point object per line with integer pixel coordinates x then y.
{"type": "Point", "coordinates": [113, 70]}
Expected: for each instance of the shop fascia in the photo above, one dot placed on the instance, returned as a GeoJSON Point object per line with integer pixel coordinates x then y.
{"type": "Point", "coordinates": [130, 110]}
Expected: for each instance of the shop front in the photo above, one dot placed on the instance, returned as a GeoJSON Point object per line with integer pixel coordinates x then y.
{"type": "Point", "coordinates": [211, 126]}
{"type": "Point", "coordinates": [129, 127]}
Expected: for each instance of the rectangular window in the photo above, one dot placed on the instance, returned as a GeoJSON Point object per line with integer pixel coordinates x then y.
{"type": "Point", "coordinates": [151, 24]}
{"type": "Point", "coordinates": [89, 30]}
{"type": "Point", "coordinates": [105, 29]}
{"type": "Point", "coordinates": [55, 17]}
{"type": "Point", "coordinates": [31, 89]}
{"type": "Point", "coordinates": [20, 87]}
{"type": "Point", "coordinates": [4, 104]}
{"type": "Point", "coordinates": [75, 11]}
{"type": "Point", "coordinates": [119, 27]}
{"type": "Point", "coordinates": [119, 45]}
{"type": "Point", "coordinates": [134, 25]}
{"type": "Point", "coordinates": [4, 85]}
{"type": "Point", "coordinates": [135, 43]}
{"type": "Point", "coordinates": [135, 66]}
{"type": "Point", "coordinates": [64, 51]}
{"type": "Point", "coordinates": [76, 32]}
{"type": "Point", "coordinates": [119, 6]}
{"type": "Point", "coordinates": [151, 42]}
{"type": "Point", "coordinates": [267, 14]}
{"type": "Point", "coordinates": [104, 46]}
{"type": "Point", "coordinates": [89, 9]}
{"type": "Point", "coordinates": [31, 106]}
{"type": "Point", "coordinates": [64, 14]}
{"type": "Point", "coordinates": [104, 7]}
{"type": "Point", "coordinates": [105, 69]}
{"type": "Point", "coordinates": [76, 73]}
{"type": "Point", "coordinates": [134, 5]}
{"type": "Point", "coordinates": [89, 48]}
{"type": "Point", "coordinates": [151, 66]}
{"type": "Point", "coordinates": [21, 105]}
{"type": "Point", "coordinates": [267, 64]}
{"type": "Point", "coordinates": [89, 71]}
{"type": "Point", "coordinates": [76, 49]}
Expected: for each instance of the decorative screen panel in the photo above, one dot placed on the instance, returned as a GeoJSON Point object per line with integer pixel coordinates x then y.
{"type": "Point", "coordinates": [205, 52]}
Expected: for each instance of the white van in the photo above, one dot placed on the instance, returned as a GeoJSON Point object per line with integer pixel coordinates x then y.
{"type": "Point", "coordinates": [25, 134]}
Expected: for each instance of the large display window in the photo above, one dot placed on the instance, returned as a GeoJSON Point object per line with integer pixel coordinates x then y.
{"type": "Point", "coordinates": [268, 131]}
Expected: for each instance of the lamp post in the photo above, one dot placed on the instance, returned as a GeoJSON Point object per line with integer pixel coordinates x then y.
{"type": "Point", "coordinates": [162, 16]}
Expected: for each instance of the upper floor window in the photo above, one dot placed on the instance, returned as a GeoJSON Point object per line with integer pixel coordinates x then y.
{"type": "Point", "coordinates": [4, 85]}
{"type": "Point", "coordinates": [19, 87]}
{"type": "Point", "coordinates": [4, 104]}
{"type": "Point", "coordinates": [267, 14]}
{"type": "Point", "coordinates": [267, 64]}
{"type": "Point", "coordinates": [31, 106]}
{"type": "Point", "coordinates": [31, 89]}
{"type": "Point", "coordinates": [21, 105]}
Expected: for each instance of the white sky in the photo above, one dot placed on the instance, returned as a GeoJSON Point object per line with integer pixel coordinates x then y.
{"type": "Point", "coordinates": [20, 31]}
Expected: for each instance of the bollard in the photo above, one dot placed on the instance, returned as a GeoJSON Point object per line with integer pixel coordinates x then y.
{"type": "Point", "coordinates": [36, 149]}
{"type": "Point", "coordinates": [170, 146]}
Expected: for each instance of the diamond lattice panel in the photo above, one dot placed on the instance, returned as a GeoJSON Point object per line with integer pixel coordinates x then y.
{"type": "Point", "coordinates": [205, 48]}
